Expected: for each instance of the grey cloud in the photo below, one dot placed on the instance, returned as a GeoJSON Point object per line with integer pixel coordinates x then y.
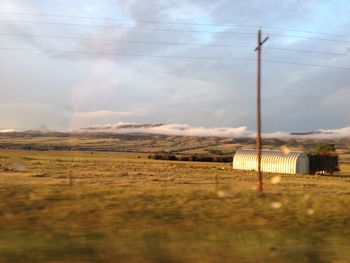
{"type": "Point", "coordinates": [294, 97]}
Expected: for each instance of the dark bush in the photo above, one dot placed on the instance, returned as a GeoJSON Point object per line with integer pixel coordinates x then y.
{"type": "Point", "coordinates": [192, 158]}
{"type": "Point", "coordinates": [205, 159]}
{"type": "Point", "coordinates": [157, 157]}
{"type": "Point", "coordinates": [225, 159]}
{"type": "Point", "coordinates": [325, 149]}
{"type": "Point", "coordinates": [321, 162]}
{"type": "Point", "coordinates": [163, 157]}
{"type": "Point", "coordinates": [172, 158]}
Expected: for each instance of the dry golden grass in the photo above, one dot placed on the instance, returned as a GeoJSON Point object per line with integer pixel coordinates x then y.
{"type": "Point", "coordinates": [123, 207]}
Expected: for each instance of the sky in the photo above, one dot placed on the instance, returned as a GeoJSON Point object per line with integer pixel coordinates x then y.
{"type": "Point", "coordinates": [73, 64]}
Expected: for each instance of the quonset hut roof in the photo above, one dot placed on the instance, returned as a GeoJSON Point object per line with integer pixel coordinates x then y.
{"type": "Point", "coordinates": [272, 161]}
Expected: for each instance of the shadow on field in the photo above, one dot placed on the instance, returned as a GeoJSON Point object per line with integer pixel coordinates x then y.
{"type": "Point", "coordinates": [159, 246]}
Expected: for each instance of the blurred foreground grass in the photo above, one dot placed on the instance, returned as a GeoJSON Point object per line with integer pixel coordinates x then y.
{"type": "Point", "coordinates": [126, 208]}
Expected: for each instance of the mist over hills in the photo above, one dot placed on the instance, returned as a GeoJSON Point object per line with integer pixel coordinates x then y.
{"type": "Point", "coordinates": [187, 130]}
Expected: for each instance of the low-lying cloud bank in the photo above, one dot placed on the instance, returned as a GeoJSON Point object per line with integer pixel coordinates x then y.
{"type": "Point", "coordinates": [7, 130]}
{"type": "Point", "coordinates": [187, 130]}
{"type": "Point", "coordinates": [168, 129]}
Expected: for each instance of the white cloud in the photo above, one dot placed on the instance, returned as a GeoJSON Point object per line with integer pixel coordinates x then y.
{"type": "Point", "coordinates": [7, 130]}
{"type": "Point", "coordinates": [294, 97]}
{"type": "Point", "coordinates": [334, 133]}
{"type": "Point", "coordinates": [170, 129]}
{"type": "Point", "coordinates": [187, 130]}
{"type": "Point", "coordinates": [181, 129]}
{"type": "Point", "coordinates": [318, 134]}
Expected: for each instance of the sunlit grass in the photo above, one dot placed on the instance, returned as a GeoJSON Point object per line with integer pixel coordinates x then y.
{"type": "Point", "coordinates": [122, 208]}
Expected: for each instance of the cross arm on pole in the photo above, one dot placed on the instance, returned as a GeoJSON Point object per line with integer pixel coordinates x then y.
{"type": "Point", "coordinates": [262, 43]}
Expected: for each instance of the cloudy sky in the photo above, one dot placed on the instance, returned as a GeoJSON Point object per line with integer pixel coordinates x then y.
{"type": "Point", "coordinates": [69, 64]}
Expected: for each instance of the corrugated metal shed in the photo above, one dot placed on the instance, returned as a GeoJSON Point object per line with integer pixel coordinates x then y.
{"type": "Point", "coordinates": [272, 161]}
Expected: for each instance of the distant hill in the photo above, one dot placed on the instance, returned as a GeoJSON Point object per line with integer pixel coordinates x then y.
{"type": "Point", "coordinates": [228, 132]}
{"type": "Point", "coordinates": [310, 133]}
{"type": "Point", "coordinates": [191, 131]}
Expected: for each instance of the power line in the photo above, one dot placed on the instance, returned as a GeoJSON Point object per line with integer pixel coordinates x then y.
{"type": "Point", "coordinates": [176, 23]}
{"type": "Point", "coordinates": [170, 30]}
{"type": "Point", "coordinates": [170, 43]}
{"type": "Point", "coordinates": [307, 51]}
{"type": "Point", "coordinates": [311, 38]}
{"type": "Point", "coordinates": [172, 57]}
{"type": "Point", "coordinates": [126, 41]}
{"type": "Point", "coordinates": [122, 54]}
{"type": "Point", "coordinates": [304, 64]}
{"type": "Point", "coordinates": [123, 27]}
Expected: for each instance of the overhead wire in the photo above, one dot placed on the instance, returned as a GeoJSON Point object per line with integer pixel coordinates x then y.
{"type": "Point", "coordinates": [125, 27]}
{"type": "Point", "coordinates": [169, 43]}
{"type": "Point", "coordinates": [311, 38]}
{"type": "Point", "coordinates": [170, 30]}
{"type": "Point", "coordinates": [305, 64]}
{"type": "Point", "coordinates": [123, 54]}
{"type": "Point", "coordinates": [307, 51]}
{"type": "Point", "coordinates": [175, 22]}
{"type": "Point", "coordinates": [125, 41]}
{"type": "Point", "coordinates": [173, 57]}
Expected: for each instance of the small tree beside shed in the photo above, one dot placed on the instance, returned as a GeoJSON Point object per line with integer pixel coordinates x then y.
{"type": "Point", "coordinates": [324, 159]}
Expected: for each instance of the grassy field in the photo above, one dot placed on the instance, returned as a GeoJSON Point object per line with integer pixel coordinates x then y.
{"type": "Point", "coordinates": [123, 207]}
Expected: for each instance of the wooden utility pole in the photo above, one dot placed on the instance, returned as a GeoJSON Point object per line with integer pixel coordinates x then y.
{"type": "Point", "coordinates": [258, 111]}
